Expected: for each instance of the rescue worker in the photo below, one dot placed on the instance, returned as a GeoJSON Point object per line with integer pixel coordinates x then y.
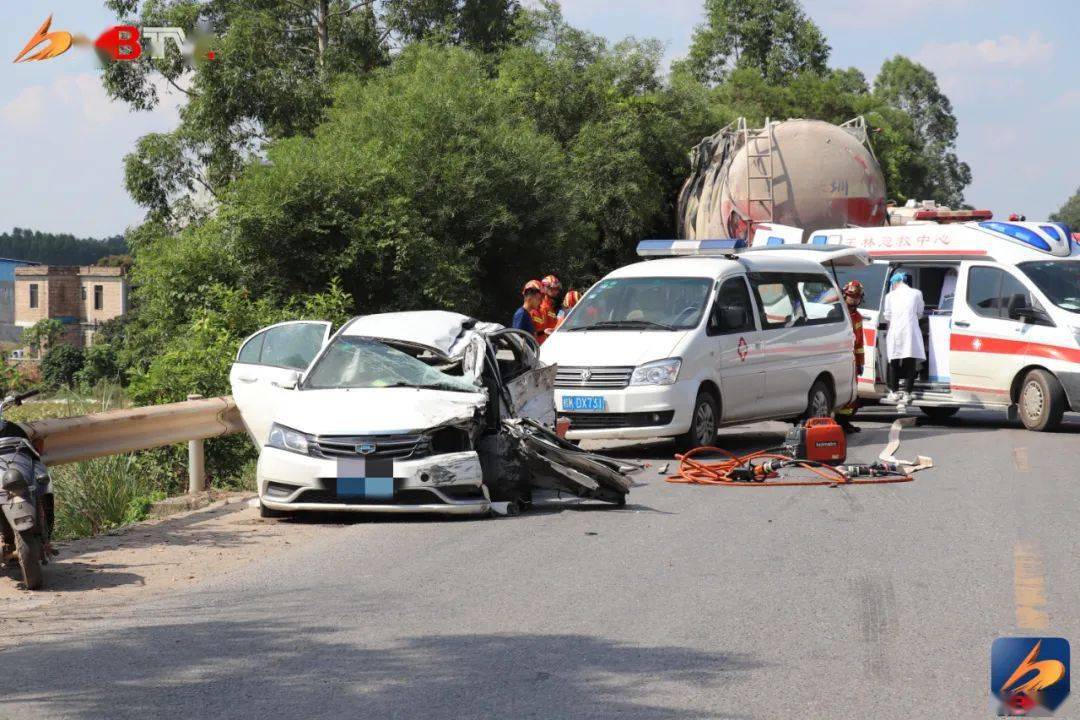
{"type": "Point", "coordinates": [570, 299]}
{"type": "Point", "coordinates": [853, 297]}
{"type": "Point", "coordinates": [526, 316]}
{"type": "Point", "coordinates": [549, 304]}
{"type": "Point", "coordinates": [904, 344]}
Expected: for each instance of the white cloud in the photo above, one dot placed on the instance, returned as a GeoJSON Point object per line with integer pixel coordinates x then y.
{"type": "Point", "coordinates": [1069, 99]}
{"type": "Point", "coordinates": [79, 98]}
{"type": "Point", "coordinates": [1008, 52]}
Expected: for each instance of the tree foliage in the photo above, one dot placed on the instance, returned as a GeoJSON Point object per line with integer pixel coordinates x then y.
{"type": "Point", "coordinates": [53, 249]}
{"type": "Point", "coordinates": [45, 333]}
{"type": "Point", "coordinates": [1069, 212]}
{"type": "Point", "coordinates": [60, 365]}
{"type": "Point", "coordinates": [910, 88]}
{"type": "Point", "coordinates": [774, 37]}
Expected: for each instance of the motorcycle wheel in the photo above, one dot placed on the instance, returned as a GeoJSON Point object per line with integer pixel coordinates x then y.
{"type": "Point", "coordinates": [29, 548]}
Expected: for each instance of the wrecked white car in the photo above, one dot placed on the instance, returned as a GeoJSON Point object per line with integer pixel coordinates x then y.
{"type": "Point", "coordinates": [431, 412]}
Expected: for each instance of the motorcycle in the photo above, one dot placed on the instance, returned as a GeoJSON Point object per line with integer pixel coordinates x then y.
{"type": "Point", "coordinates": [26, 499]}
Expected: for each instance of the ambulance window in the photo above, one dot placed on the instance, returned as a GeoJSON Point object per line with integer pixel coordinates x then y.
{"type": "Point", "coordinates": [1014, 295]}
{"type": "Point", "coordinates": [778, 301]}
{"type": "Point", "coordinates": [871, 276]}
{"type": "Point", "coordinates": [821, 300]}
{"type": "Point", "coordinates": [732, 312]}
{"type": "Point", "coordinates": [984, 291]}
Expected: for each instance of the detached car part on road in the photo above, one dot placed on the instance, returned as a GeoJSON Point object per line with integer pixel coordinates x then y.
{"type": "Point", "coordinates": [430, 411]}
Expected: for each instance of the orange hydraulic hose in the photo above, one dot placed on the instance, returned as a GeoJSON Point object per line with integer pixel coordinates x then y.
{"type": "Point", "coordinates": [693, 472]}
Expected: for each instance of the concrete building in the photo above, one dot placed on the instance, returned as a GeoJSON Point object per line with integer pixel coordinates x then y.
{"type": "Point", "coordinates": [80, 297]}
{"type": "Point", "coordinates": [8, 331]}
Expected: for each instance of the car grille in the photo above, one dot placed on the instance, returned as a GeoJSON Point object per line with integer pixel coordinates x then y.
{"type": "Point", "coordinates": [418, 496]}
{"type": "Point", "coordinates": [394, 447]}
{"type": "Point", "coordinates": [605, 421]}
{"type": "Point", "coordinates": [593, 377]}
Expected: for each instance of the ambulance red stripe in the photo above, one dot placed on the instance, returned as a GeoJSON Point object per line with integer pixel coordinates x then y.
{"type": "Point", "coordinates": [999, 346]}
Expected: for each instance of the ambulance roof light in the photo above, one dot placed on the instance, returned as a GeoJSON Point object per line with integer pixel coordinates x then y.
{"type": "Point", "coordinates": [700, 248]}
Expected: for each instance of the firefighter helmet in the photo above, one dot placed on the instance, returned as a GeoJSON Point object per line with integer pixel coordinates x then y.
{"type": "Point", "coordinates": [854, 289]}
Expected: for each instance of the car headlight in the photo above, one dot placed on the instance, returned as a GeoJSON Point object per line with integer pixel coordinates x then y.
{"type": "Point", "coordinates": [284, 438]}
{"type": "Point", "coordinates": [661, 372]}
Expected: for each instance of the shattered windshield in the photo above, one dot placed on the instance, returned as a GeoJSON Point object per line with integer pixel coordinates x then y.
{"type": "Point", "coordinates": [1058, 279]}
{"type": "Point", "coordinates": [358, 362]}
{"type": "Point", "coordinates": [655, 303]}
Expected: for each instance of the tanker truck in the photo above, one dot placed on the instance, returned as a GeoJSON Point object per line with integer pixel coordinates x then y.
{"type": "Point", "coordinates": [801, 173]}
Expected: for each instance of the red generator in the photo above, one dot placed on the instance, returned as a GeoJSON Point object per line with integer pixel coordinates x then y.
{"type": "Point", "coordinates": [820, 439]}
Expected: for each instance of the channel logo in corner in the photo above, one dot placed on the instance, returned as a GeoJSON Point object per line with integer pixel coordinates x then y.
{"type": "Point", "coordinates": [1029, 676]}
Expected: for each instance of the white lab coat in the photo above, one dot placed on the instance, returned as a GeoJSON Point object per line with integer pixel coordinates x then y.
{"type": "Point", "coordinates": [903, 308]}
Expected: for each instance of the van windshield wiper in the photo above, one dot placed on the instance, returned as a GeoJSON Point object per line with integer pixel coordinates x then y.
{"type": "Point", "coordinates": [624, 325]}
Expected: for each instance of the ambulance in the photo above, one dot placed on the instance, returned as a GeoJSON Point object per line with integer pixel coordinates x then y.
{"type": "Point", "coordinates": [1002, 325]}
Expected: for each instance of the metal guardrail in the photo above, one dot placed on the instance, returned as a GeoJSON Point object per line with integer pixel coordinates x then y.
{"type": "Point", "coordinates": [113, 432]}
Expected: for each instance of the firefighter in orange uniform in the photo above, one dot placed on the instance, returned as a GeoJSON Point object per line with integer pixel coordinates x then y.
{"type": "Point", "coordinates": [853, 296]}
{"type": "Point", "coordinates": [549, 305]}
{"type": "Point", "coordinates": [568, 302]}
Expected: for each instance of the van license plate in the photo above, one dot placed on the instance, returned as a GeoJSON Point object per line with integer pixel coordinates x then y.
{"type": "Point", "coordinates": [583, 403]}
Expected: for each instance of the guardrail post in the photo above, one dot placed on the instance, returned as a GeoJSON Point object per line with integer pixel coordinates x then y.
{"type": "Point", "coordinates": [196, 461]}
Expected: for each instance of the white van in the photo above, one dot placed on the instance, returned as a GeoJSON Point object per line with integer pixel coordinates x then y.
{"type": "Point", "coordinates": [1003, 312]}
{"type": "Point", "coordinates": [678, 347]}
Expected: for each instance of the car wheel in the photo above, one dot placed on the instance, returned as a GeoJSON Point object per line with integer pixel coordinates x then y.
{"type": "Point", "coordinates": [1041, 401]}
{"type": "Point", "coordinates": [939, 414]}
{"type": "Point", "coordinates": [819, 401]}
{"type": "Point", "coordinates": [704, 423]}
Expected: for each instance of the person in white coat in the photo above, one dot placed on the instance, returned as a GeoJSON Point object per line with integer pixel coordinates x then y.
{"type": "Point", "coordinates": [903, 341]}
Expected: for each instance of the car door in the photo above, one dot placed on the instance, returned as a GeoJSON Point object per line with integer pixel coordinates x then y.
{"type": "Point", "coordinates": [735, 351]}
{"type": "Point", "coordinates": [781, 314]}
{"type": "Point", "coordinates": [268, 365]}
{"type": "Point", "coordinates": [989, 336]}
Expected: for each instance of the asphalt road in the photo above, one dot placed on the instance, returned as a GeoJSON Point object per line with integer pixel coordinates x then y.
{"type": "Point", "coordinates": [692, 602]}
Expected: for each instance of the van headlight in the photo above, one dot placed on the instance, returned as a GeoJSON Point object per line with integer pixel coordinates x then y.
{"type": "Point", "coordinates": [284, 438]}
{"type": "Point", "coordinates": [661, 372]}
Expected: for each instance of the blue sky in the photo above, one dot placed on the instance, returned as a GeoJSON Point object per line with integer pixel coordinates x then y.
{"type": "Point", "coordinates": [1011, 69]}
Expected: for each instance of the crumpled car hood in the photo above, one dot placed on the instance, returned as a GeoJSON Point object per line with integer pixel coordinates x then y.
{"type": "Point", "coordinates": [373, 411]}
{"type": "Point", "coordinates": [446, 332]}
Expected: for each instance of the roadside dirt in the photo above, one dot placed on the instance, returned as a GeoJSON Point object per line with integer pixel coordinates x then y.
{"type": "Point", "coordinates": [145, 559]}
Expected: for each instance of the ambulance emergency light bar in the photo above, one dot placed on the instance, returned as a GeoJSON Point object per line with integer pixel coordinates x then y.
{"type": "Point", "coordinates": [700, 248]}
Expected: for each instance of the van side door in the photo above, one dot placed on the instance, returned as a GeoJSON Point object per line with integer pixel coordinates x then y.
{"type": "Point", "coordinates": [735, 350]}
{"type": "Point", "coordinates": [995, 316]}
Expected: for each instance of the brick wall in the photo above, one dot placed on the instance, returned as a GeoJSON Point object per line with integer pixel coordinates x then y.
{"type": "Point", "coordinates": [72, 295]}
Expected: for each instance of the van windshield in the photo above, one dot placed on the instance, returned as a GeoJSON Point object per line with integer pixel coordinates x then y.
{"type": "Point", "coordinates": [1058, 279]}
{"type": "Point", "coordinates": [647, 303]}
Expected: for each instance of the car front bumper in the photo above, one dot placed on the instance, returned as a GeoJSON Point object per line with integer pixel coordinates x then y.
{"type": "Point", "coordinates": [450, 484]}
{"type": "Point", "coordinates": [674, 401]}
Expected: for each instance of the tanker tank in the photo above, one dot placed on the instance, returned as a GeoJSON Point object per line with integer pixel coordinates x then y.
{"type": "Point", "coordinates": [803, 173]}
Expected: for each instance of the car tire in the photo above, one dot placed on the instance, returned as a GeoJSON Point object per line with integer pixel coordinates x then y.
{"type": "Point", "coordinates": [939, 414]}
{"type": "Point", "coordinates": [819, 401]}
{"type": "Point", "coordinates": [704, 422]}
{"type": "Point", "coordinates": [1041, 401]}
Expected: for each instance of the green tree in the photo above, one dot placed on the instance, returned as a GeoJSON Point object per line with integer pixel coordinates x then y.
{"type": "Point", "coordinates": [484, 25]}
{"type": "Point", "coordinates": [60, 365]}
{"type": "Point", "coordinates": [1069, 213]}
{"type": "Point", "coordinates": [101, 364]}
{"type": "Point", "coordinates": [775, 37]}
{"type": "Point", "coordinates": [911, 88]}
{"type": "Point", "coordinates": [43, 334]}
{"type": "Point", "coordinates": [276, 62]}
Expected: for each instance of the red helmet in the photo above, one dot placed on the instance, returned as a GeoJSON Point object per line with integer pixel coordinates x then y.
{"type": "Point", "coordinates": [571, 299]}
{"type": "Point", "coordinates": [532, 285]}
{"type": "Point", "coordinates": [854, 288]}
{"type": "Point", "coordinates": [550, 281]}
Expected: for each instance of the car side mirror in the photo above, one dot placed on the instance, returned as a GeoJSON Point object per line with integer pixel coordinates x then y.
{"type": "Point", "coordinates": [288, 383]}
{"type": "Point", "coordinates": [1029, 314]}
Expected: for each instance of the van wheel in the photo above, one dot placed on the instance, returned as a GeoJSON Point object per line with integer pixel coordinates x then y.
{"type": "Point", "coordinates": [819, 401]}
{"type": "Point", "coordinates": [1042, 401]}
{"type": "Point", "coordinates": [939, 414]}
{"type": "Point", "coordinates": [703, 424]}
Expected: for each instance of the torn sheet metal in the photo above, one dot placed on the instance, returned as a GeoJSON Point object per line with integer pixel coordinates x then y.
{"type": "Point", "coordinates": [532, 395]}
{"type": "Point", "coordinates": [555, 464]}
{"type": "Point", "coordinates": [446, 332]}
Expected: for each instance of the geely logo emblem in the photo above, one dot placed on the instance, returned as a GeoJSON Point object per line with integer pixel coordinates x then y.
{"type": "Point", "coordinates": [365, 448]}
